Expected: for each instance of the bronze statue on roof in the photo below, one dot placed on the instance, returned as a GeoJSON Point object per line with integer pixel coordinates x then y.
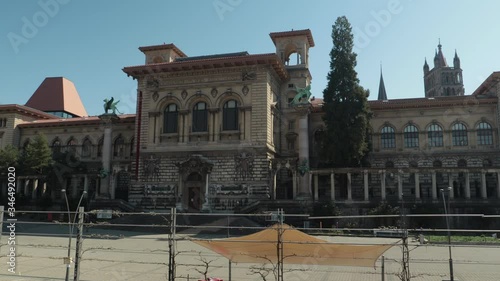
{"type": "Point", "coordinates": [111, 105]}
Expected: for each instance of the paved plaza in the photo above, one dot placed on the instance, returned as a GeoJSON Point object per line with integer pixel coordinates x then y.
{"type": "Point", "coordinates": [139, 257]}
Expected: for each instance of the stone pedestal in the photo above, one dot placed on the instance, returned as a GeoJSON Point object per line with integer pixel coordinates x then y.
{"type": "Point", "coordinates": [304, 179]}
{"type": "Point", "coordinates": [107, 149]}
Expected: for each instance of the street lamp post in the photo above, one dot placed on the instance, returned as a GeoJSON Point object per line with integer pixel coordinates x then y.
{"type": "Point", "coordinates": [450, 189]}
{"type": "Point", "coordinates": [70, 225]}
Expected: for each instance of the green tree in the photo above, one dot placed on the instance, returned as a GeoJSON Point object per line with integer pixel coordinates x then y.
{"type": "Point", "coordinates": [347, 113]}
{"type": "Point", "coordinates": [9, 156]}
{"type": "Point", "coordinates": [37, 156]}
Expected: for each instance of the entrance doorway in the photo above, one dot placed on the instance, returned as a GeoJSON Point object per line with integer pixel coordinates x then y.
{"type": "Point", "coordinates": [194, 195]}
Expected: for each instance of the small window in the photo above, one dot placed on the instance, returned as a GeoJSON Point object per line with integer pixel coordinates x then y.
{"type": "Point", "coordinates": [119, 147]}
{"type": "Point", "coordinates": [291, 126]}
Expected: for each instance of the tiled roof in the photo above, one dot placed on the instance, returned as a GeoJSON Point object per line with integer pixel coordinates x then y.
{"type": "Point", "coordinates": [57, 94]}
{"type": "Point", "coordinates": [26, 111]}
{"type": "Point", "coordinates": [487, 86]}
{"type": "Point", "coordinates": [430, 102]}
{"type": "Point", "coordinates": [306, 32]}
{"type": "Point", "coordinates": [211, 63]}
{"type": "Point", "coordinates": [124, 118]}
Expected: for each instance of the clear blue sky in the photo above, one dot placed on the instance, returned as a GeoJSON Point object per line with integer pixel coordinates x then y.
{"type": "Point", "coordinates": [90, 41]}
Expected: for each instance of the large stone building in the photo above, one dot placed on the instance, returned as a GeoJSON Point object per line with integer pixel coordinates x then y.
{"type": "Point", "coordinates": [227, 131]}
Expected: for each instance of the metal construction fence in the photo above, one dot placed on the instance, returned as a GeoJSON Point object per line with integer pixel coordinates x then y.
{"type": "Point", "coordinates": [112, 245]}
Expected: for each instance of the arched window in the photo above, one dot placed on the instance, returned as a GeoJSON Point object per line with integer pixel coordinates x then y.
{"type": "Point", "coordinates": [119, 147]}
{"type": "Point", "coordinates": [389, 164]}
{"type": "Point", "coordinates": [86, 148]}
{"type": "Point", "coordinates": [170, 119]}
{"type": "Point", "coordinates": [487, 163]}
{"type": "Point", "coordinates": [200, 117]}
{"type": "Point", "coordinates": [435, 135]}
{"type": "Point", "coordinates": [388, 137]}
{"type": "Point", "coordinates": [484, 134]}
{"type": "Point", "coordinates": [459, 135]}
{"type": "Point", "coordinates": [411, 136]}
{"type": "Point", "coordinates": [72, 145]}
{"type": "Point", "coordinates": [56, 146]}
{"type": "Point", "coordinates": [437, 164]}
{"type": "Point", "coordinates": [230, 116]}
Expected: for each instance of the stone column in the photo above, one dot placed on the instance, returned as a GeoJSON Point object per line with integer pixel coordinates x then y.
{"type": "Point", "coordinates": [26, 187]}
{"type": "Point", "coordinates": [34, 190]}
{"type": "Point", "coordinates": [316, 188]}
{"type": "Point", "coordinates": [382, 185]}
{"type": "Point", "coordinates": [484, 195]}
{"type": "Point", "coordinates": [400, 187]}
{"type": "Point", "coordinates": [467, 185]}
{"type": "Point", "coordinates": [332, 186]}
{"type": "Point", "coordinates": [18, 185]}
{"type": "Point", "coordinates": [184, 127]}
{"type": "Point", "coordinates": [304, 186]}
{"type": "Point", "coordinates": [450, 184]}
{"type": "Point", "coordinates": [365, 183]}
{"type": "Point", "coordinates": [275, 174]}
{"type": "Point", "coordinates": [294, 183]}
{"type": "Point", "coordinates": [107, 146]}
{"type": "Point", "coordinates": [74, 187]}
{"type": "Point", "coordinates": [498, 185]}
{"type": "Point", "coordinates": [86, 184]}
{"type": "Point", "coordinates": [434, 186]}
{"type": "Point", "coordinates": [417, 186]}
{"type": "Point", "coordinates": [349, 187]}
{"type": "Point", "coordinates": [206, 205]}
{"type": "Point", "coordinates": [112, 183]}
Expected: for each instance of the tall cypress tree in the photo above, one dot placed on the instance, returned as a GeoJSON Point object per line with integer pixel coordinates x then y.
{"type": "Point", "coordinates": [346, 107]}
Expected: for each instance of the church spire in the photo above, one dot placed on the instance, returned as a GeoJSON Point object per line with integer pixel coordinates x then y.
{"type": "Point", "coordinates": [382, 94]}
{"type": "Point", "coordinates": [456, 60]}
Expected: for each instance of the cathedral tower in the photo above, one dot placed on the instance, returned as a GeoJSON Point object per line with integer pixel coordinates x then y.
{"type": "Point", "coordinates": [443, 80]}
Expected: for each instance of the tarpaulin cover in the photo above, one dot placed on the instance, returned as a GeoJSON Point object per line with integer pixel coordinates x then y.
{"type": "Point", "coordinates": [298, 248]}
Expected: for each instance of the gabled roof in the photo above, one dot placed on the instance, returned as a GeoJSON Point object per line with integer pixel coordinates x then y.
{"type": "Point", "coordinates": [57, 94]}
{"type": "Point", "coordinates": [488, 84]}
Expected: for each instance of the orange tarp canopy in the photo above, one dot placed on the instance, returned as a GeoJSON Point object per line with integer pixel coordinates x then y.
{"type": "Point", "coordinates": [298, 248]}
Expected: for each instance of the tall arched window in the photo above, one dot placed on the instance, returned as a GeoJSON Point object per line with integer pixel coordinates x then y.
{"type": "Point", "coordinates": [435, 135]}
{"type": "Point", "coordinates": [200, 117]}
{"type": "Point", "coordinates": [411, 136]}
{"type": "Point", "coordinates": [230, 116]}
{"type": "Point", "coordinates": [462, 163]}
{"type": "Point", "coordinates": [170, 117]}
{"type": "Point", "coordinates": [459, 135]}
{"type": "Point", "coordinates": [86, 148]}
{"type": "Point", "coordinates": [119, 147]}
{"type": "Point", "coordinates": [56, 146]}
{"type": "Point", "coordinates": [484, 134]}
{"type": "Point", "coordinates": [388, 137]}
{"type": "Point", "coordinates": [72, 145]}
